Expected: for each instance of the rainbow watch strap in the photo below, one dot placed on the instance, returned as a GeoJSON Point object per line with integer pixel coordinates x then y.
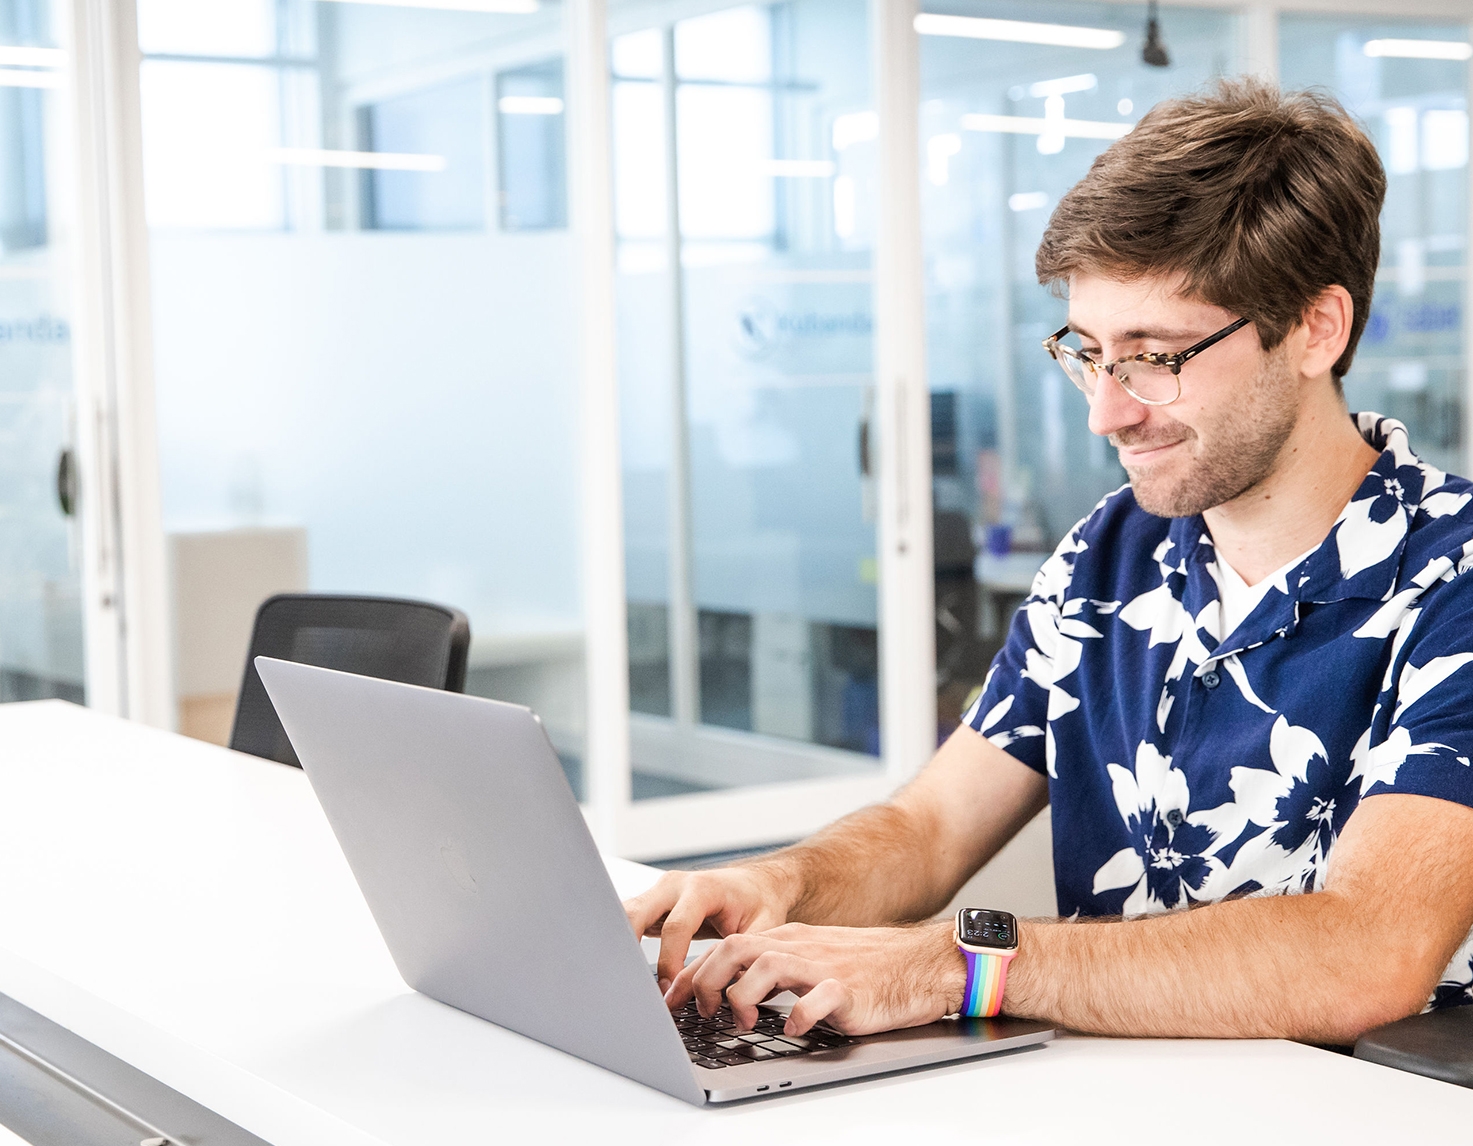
{"type": "Point", "coordinates": [985, 977]}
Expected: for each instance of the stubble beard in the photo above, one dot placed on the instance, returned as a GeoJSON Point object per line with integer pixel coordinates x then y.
{"type": "Point", "coordinates": [1244, 447]}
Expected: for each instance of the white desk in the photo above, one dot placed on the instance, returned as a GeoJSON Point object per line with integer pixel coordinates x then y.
{"type": "Point", "coordinates": [187, 909]}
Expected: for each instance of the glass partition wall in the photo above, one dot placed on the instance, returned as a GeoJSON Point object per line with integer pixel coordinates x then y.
{"type": "Point", "coordinates": [41, 646]}
{"type": "Point", "coordinates": [1407, 81]}
{"type": "Point", "coordinates": [366, 357]}
{"type": "Point", "coordinates": [375, 340]}
{"type": "Point", "coordinates": [746, 343]}
{"type": "Point", "coordinates": [1008, 125]}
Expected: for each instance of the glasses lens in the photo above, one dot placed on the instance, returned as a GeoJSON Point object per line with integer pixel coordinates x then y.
{"type": "Point", "coordinates": [1080, 372]}
{"type": "Point", "coordinates": [1148, 382]}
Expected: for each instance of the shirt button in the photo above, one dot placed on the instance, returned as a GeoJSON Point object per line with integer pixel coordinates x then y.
{"type": "Point", "coordinates": [1210, 679]}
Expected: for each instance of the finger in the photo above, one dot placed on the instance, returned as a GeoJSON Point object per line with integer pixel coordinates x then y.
{"type": "Point", "coordinates": [829, 997]}
{"type": "Point", "coordinates": [681, 925]}
{"type": "Point", "coordinates": [649, 907]}
{"type": "Point", "coordinates": [771, 971]}
{"type": "Point", "coordinates": [723, 965]}
{"type": "Point", "coordinates": [682, 987]}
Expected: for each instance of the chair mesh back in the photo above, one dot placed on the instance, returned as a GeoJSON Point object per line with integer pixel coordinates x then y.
{"type": "Point", "coordinates": [410, 641]}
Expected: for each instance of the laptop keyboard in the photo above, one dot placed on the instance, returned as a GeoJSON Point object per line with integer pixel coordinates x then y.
{"type": "Point", "coordinates": [715, 1042]}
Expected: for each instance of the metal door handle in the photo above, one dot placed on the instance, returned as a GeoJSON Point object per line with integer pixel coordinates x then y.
{"type": "Point", "coordinates": [66, 482]}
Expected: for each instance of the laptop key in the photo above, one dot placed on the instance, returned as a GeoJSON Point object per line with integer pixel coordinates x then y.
{"type": "Point", "coordinates": [757, 1054]}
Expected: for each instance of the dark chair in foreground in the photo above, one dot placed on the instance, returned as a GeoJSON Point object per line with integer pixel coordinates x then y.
{"type": "Point", "coordinates": [410, 641]}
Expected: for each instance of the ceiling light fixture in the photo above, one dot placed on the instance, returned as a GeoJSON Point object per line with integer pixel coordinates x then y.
{"type": "Point", "coordinates": [1066, 85]}
{"type": "Point", "coordinates": [376, 160]}
{"type": "Point", "coordinates": [798, 168]}
{"type": "Point", "coordinates": [12, 56]}
{"type": "Point", "coordinates": [1034, 125]}
{"type": "Point", "coordinates": [529, 105]}
{"type": "Point", "coordinates": [502, 7]}
{"type": "Point", "coordinates": [16, 78]}
{"type": "Point", "coordinates": [1153, 51]}
{"type": "Point", "coordinates": [1018, 31]}
{"type": "Point", "coordinates": [1419, 49]}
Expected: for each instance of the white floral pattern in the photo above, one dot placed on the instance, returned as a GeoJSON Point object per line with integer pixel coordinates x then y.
{"type": "Point", "coordinates": [1184, 768]}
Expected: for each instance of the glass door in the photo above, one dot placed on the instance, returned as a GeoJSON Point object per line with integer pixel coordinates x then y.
{"type": "Point", "coordinates": [41, 643]}
{"type": "Point", "coordinates": [366, 361]}
{"type": "Point", "coordinates": [745, 334]}
{"type": "Point", "coordinates": [1407, 82]}
{"type": "Point", "coordinates": [1016, 102]}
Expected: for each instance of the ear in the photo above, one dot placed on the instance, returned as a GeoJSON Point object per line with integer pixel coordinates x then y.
{"type": "Point", "coordinates": [1326, 326]}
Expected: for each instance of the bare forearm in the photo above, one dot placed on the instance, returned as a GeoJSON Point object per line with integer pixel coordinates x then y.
{"type": "Point", "coordinates": [1300, 967]}
{"type": "Point", "coordinates": [868, 869]}
{"type": "Point", "coordinates": [905, 859]}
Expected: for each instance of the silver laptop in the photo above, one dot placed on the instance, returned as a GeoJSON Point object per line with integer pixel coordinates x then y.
{"type": "Point", "coordinates": [460, 827]}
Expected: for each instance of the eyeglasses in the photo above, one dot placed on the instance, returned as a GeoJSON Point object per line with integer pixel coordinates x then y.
{"type": "Point", "coordinates": [1154, 378]}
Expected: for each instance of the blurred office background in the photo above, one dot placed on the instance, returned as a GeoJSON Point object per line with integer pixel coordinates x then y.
{"type": "Point", "coordinates": [690, 348]}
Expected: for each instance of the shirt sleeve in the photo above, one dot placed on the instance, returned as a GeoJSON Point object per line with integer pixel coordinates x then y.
{"type": "Point", "coordinates": [1013, 709]}
{"type": "Point", "coordinates": [1428, 741]}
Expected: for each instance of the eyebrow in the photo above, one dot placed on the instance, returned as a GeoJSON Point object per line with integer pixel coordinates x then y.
{"type": "Point", "coordinates": [1142, 335]}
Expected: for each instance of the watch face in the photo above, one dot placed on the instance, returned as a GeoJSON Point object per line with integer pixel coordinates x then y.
{"type": "Point", "coordinates": [984, 928]}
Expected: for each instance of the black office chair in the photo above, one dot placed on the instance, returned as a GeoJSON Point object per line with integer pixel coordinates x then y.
{"type": "Point", "coordinates": [410, 641]}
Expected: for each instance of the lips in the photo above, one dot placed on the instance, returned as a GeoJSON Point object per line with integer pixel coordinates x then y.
{"type": "Point", "coordinates": [1145, 451]}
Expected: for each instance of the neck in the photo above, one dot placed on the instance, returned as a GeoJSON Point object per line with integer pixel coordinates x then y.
{"type": "Point", "coordinates": [1293, 509]}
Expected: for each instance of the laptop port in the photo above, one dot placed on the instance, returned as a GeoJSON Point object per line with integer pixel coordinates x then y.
{"type": "Point", "coordinates": [783, 1084]}
{"type": "Point", "coordinates": [760, 1089]}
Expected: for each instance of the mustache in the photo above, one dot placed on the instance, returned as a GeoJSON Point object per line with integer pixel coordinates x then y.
{"type": "Point", "coordinates": [1138, 437]}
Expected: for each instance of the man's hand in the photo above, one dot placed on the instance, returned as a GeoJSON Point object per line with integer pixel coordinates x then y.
{"type": "Point", "coordinates": [898, 861]}
{"type": "Point", "coordinates": [686, 905]}
{"type": "Point", "coordinates": [858, 979]}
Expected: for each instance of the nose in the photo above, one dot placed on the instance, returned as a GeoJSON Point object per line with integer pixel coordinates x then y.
{"type": "Point", "coordinates": [1111, 409]}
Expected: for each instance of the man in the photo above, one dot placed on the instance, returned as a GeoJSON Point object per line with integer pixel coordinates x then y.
{"type": "Point", "coordinates": [1245, 676]}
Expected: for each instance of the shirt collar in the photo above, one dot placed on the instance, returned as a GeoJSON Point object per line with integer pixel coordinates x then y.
{"type": "Point", "coordinates": [1360, 558]}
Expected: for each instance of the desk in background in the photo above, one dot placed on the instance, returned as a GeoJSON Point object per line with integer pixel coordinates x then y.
{"type": "Point", "coordinates": [187, 909]}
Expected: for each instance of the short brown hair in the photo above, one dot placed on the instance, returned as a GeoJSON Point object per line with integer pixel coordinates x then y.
{"type": "Point", "coordinates": [1260, 200]}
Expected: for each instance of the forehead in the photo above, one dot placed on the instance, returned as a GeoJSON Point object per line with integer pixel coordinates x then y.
{"type": "Point", "coordinates": [1116, 310]}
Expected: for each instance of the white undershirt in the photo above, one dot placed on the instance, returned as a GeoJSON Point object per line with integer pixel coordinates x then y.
{"type": "Point", "coordinates": [1238, 598]}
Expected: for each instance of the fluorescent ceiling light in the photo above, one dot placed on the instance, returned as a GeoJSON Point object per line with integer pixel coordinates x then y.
{"type": "Point", "coordinates": [1018, 31]}
{"type": "Point", "coordinates": [530, 105]}
{"type": "Point", "coordinates": [1063, 86]}
{"type": "Point", "coordinates": [1420, 49]}
{"type": "Point", "coordinates": [15, 78]}
{"type": "Point", "coordinates": [508, 7]}
{"type": "Point", "coordinates": [380, 160]}
{"type": "Point", "coordinates": [1037, 125]}
{"type": "Point", "coordinates": [15, 57]}
{"type": "Point", "coordinates": [1028, 200]}
{"type": "Point", "coordinates": [798, 168]}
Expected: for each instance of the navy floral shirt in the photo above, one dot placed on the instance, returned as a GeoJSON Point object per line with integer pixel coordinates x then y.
{"type": "Point", "coordinates": [1186, 764]}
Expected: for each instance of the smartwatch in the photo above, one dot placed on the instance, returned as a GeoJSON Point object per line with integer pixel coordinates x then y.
{"type": "Point", "coordinates": [988, 940]}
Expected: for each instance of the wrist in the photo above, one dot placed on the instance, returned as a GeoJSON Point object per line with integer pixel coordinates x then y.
{"type": "Point", "coordinates": [783, 886]}
{"type": "Point", "coordinates": [951, 969]}
{"type": "Point", "coordinates": [1018, 998]}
